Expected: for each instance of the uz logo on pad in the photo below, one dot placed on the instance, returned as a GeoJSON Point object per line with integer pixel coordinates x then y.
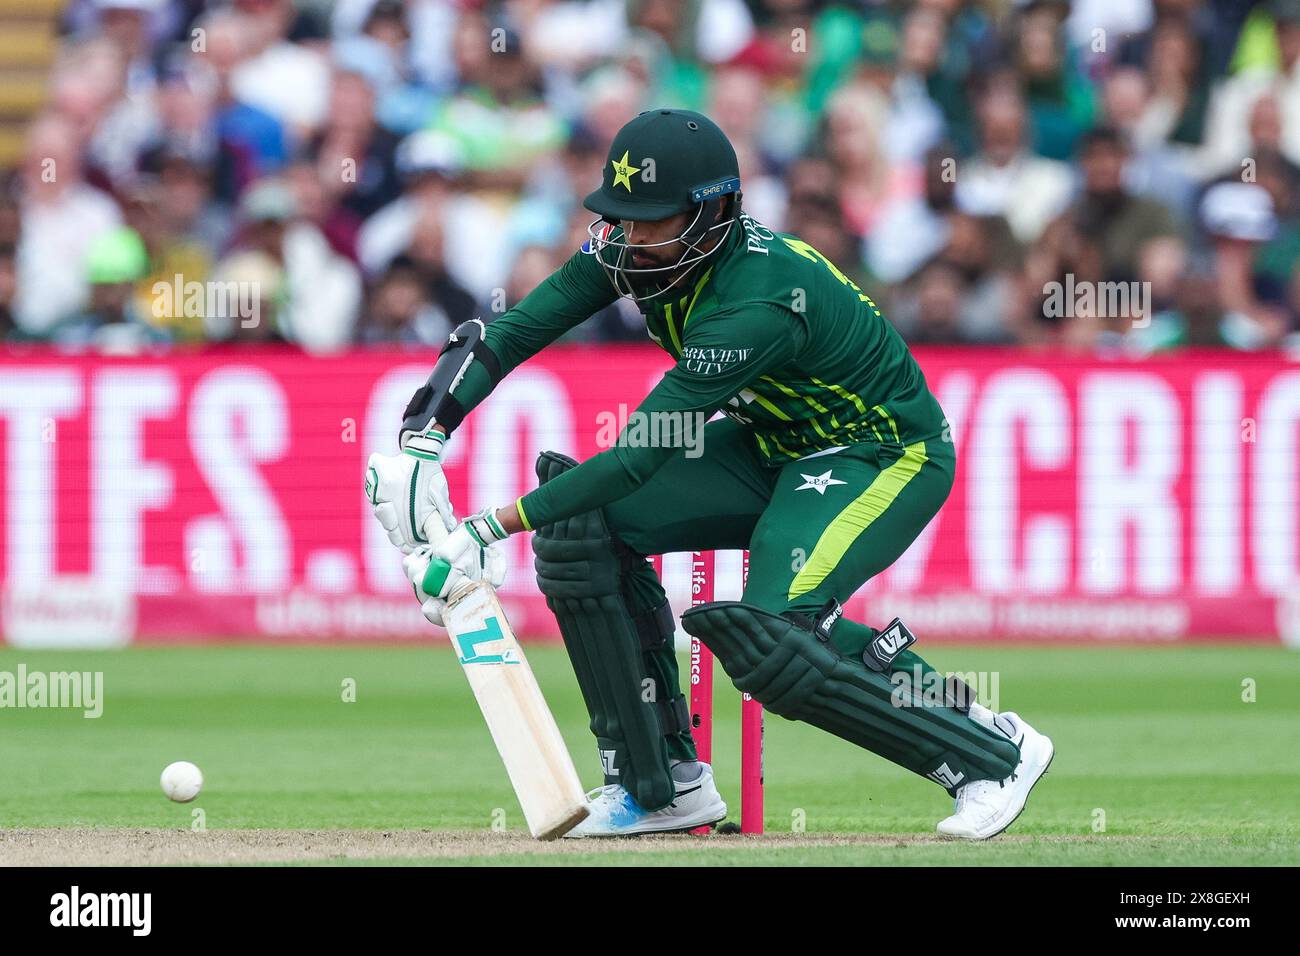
{"type": "Point", "coordinates": [890, 643]}
{"type": "Point", "coordinates": [893, 640]}
{"type": "Point", "coordinates": [945, 776]}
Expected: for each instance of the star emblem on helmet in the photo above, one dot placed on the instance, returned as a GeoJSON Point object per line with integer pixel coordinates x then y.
{"type": "Point", "coordinates": [623, 171]}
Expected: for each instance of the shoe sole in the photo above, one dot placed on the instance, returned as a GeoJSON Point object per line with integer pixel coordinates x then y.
{"type": "Point", "coordinates": [682, 827]}
{"type": "Point", "coordinates": [1006, 826]}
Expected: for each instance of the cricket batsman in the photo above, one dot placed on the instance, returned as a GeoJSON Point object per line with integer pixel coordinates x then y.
{"type": "Point", "coordinates": [830, 459]}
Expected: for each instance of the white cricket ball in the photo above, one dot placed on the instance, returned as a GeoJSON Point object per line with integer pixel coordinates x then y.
{"type": "Point", "coordinates": [181, 781]}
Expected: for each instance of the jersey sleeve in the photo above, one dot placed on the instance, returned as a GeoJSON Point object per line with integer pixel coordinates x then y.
{"type": "Point", "coordinates": [719, 358]}
{"type": "Point", "coordinates": [566, 298]}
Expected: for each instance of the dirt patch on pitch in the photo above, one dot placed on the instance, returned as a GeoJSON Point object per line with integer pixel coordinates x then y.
{"type": "Point", "coordinates": [150, 847]}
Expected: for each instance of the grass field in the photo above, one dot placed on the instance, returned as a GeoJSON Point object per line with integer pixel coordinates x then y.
{"type": "Point", "coordinates": [1155, 745]}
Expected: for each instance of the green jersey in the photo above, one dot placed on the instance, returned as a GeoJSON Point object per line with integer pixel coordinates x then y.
{"type": "Point", "coordinates": [766, 330]}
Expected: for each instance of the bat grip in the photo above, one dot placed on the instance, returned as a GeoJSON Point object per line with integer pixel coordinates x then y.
{"type": "Point", "coordinates": [435, 577]}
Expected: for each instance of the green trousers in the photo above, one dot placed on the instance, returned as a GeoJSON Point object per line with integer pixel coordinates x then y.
{"type": "Point", "coordinates": [816, 529]}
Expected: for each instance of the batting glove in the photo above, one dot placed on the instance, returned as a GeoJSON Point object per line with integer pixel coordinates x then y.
{"type": "Point", "coordinates": [407, 490]}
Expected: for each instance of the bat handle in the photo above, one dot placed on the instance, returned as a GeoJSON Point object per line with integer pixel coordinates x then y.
{"type": "Point", "coordinates": [435, 577]}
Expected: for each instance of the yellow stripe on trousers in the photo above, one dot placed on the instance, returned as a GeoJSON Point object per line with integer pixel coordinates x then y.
{"type": "Point", "coordinates": [857, 516]}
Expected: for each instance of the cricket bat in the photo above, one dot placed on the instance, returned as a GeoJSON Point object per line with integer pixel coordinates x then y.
{"type": "Point", "coordinates": [539, 764]}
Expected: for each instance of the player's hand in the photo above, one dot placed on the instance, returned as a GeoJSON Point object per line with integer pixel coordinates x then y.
{"type": "Point", "coordinates": [416, 565]}
{"type": "Point", "coordinates": [467, 546]}
{"type": "Point", "coordinates": [434, 578]}
{"type": "Point", "coordinates": [408, 494]}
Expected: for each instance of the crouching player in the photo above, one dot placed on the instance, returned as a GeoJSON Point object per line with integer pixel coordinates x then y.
{"type": "Point", "coordinates": [830, 460]}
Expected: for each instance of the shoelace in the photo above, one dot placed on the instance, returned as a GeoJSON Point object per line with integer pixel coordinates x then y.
{"type": "Point", "coordinates": [974, 789]}
{"type": "Point", "coordinates": [608, 788]}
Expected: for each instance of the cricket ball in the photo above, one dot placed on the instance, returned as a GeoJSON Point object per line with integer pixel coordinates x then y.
{"type": "Point", "coordinates": [181, 781]}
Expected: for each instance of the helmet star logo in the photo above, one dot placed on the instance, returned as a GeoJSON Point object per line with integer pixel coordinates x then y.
{"type": "Point", "coordinates": [623, 171]}
{"type": "Point", "coordinates": [818, 483]}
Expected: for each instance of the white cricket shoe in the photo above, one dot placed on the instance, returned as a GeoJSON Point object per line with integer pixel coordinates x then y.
{"type": "Point", "coordinates": [987, 807]}
{"type": "Point", "coordinates": [613, 812]}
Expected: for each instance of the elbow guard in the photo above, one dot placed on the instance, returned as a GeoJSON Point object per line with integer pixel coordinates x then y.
{"type": "Point", "coordinates": [433, 402]}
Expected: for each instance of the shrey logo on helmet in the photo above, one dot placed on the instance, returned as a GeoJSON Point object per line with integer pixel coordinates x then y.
{"type": "Point", "coordinates": [696, 172]}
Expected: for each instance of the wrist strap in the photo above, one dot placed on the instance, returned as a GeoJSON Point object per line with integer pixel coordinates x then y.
{"type": "Point", "coordinates": [485, 528]}
{"type": "Point", "coordinates": [426, 446]}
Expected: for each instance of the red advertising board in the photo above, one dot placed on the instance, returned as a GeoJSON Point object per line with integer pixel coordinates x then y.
{"type": "Point", "coordinates": [218, 494]}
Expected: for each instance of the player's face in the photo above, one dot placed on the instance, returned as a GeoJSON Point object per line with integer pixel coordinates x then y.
{"type": "Point", "coordinates": [644, 236]}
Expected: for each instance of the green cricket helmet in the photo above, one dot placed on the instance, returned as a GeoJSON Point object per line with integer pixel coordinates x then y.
{"type": "Point", "coordinates": [662, 163]}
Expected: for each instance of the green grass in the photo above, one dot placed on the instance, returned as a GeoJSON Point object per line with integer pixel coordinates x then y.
{"type": "Point", "coordinates": [1156, 740]}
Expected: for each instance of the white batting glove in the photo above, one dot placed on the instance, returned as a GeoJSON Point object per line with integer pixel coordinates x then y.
{"type": "Point", "coordinates": [416, 565]}
{"type": "Point", "coordinates": [466, 547]}
{"type": "Point", "coordinates": [408, 489]}
{"type": "Point", "coordinates": [434, 578]}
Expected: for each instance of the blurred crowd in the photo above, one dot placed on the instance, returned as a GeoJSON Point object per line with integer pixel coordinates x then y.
{"type": "Point", "coordinates": [378, 171]}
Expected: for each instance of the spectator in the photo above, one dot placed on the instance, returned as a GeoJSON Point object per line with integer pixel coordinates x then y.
{"type": "Point", "coordinates": [321, 290]}
{"type": "Point", "coordinates": [354, 156]}
{"type": "Point", "coordinates": [498, 117]}
{"type": "Point", "coordinates": [89, 90]}
{"type": "Point", "coordinates": [401, 311]}
{"type": "Point", "coordinates": [1059, 99]}
{"type": "Point", "coordinates": [253, 142]}
{"type": "Point", "coordinates": [988, 259]}
{"type": "Point", "coordinates": [1004, 179]}
{"type": "Point", "coordinates": [426, 161]}
{"type": "Point", "coordinates": [113, 321]}
{"type": "Point", "coordinates": [290, 81]}
{"type": "Point", "coordinates": [531, 267]}
{"type": "Point", "coordinates": [1228, 133]}
{"type": "Point", "coordinates": [257, 311]}
{"type": "Point", "coordinates": [737, 103]}
{"type": "Point", "coordinates": [381, 52]}
{"type": "Point", "coordinates": [426, 255]}
{"type": "Point", "coordinates": [429, 23]}
{"type": "Point", "coordinates": [932, 307]}
{"type": "Point", "coordinates": [9, 330]}
{"type": "Point", "coordinates": [571, 36]}
{"type": "Point", "coordinates": [976, 266]}
{"type": "Point", "coordinates": [926, 97]}
{"type": "Point", "coordinates": [1155, 169]}
{"type": "Point", "coordinates": [127, 24]}
{"type": "Point", "coordinates": [1120, 223]}
{"type": "Point", "coordinates": [431, 167]}
{"type": "Point", "coordinates": [183, 231]}
{"type": "Point", "coordinates": [1137, 327]}
{"type": "Point", "coordinates": [1240, 218]}
{"type": "Point", "coordinates": [915, 229]}
{"type": "Point", "coordinates": [316, 189]}
{"type": "Point", "coordinates": [856, 119]}
{"type": "Point", "coordinates": [822, 226]}
{"type": "Point", "coordinates": [62, 215]}
{"type": "Point", "coordinates": [1278, 260]}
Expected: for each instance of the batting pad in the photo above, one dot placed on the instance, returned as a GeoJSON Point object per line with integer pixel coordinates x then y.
{"type": "Point", "coordinates": [799, 677]}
